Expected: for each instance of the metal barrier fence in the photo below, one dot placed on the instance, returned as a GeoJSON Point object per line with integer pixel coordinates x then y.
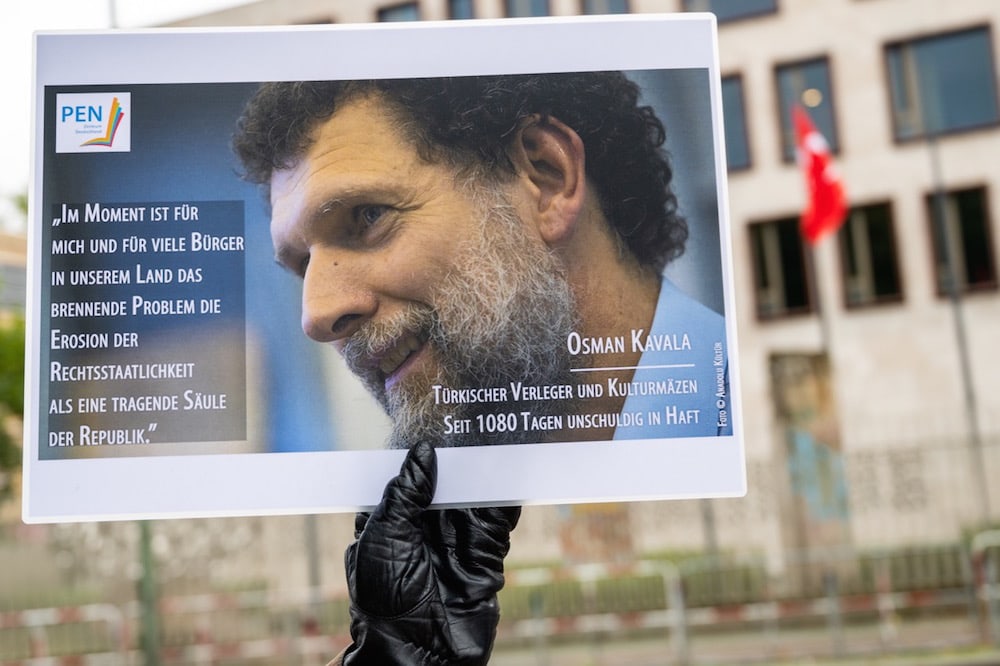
{"type": "Point", "coordinates": [985, 552]}
{"type": "Point", "coordinates": [880, 595]}
{"type": "Point", "coordinates": [28, 635]}
{"type": "Point", "coordinates": [867, 604]}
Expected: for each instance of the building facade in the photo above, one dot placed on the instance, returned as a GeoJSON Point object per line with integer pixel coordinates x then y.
{"type": "Point", "coordinates": [870, 385]}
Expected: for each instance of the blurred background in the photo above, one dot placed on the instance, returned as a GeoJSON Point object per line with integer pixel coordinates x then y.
{"type": "Point", "coordinates": [870, 391]}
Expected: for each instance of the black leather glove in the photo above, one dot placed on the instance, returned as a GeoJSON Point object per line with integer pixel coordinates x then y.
{"type": "Point", "coordinates": [423, 584]}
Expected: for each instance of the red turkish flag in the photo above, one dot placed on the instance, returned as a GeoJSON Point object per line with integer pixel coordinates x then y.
{"type": "Point", "coordinates": [826, 206]}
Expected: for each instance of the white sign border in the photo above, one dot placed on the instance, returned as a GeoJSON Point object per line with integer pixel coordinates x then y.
{"type": "Point", "coordinates": [292, 483]}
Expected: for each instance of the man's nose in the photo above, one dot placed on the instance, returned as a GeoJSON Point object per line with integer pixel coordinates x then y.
{"type": "Point", "coordinates": [335, 302]}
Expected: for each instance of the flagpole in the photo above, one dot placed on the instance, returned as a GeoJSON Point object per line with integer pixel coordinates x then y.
{"type": "Point", "coordinates": [815, 280]}
{"type": "Point", "coordinates": [825, 336]}
{"type": "Point", "coordinates": [977, 461]}
{"type": "Point", "coordinates": [822, 214]}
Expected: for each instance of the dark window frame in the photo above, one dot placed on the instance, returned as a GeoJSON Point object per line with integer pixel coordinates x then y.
{"type": "Point", "coordinates": [508, 14]}
{"type": "Point", "coordinates": [734, 19]}
{"type": "Point", "coordinates": [472, 10]}
{"type": "Point", "coordinates": [842, 234]}
{"type": "Point", "coordinates": [785, 114]}
{"type": "Point", "coordinates": [966, 289]}
{"type": "Point", "coordinates": [807, 265]}
{"type": "Point", "coordinates": [583, 9]}
{"type": "Point", "coordinates": [747, 144]}
{"type": "Point", "coordinates": [322, 20]}
{"type": "Point", "coordinates": [381, 11]}
{"type": "Point", "coordinates": [926, 37]}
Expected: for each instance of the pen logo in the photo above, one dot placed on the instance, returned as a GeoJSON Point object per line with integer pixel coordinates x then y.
{"type": "Point", "coordinates": [114, 122]}
{"type": "Point", "coordinates": [93, 122]}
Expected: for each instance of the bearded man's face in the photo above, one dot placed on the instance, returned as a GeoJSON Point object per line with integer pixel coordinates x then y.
{"type": "Point", "coordinates": [418, 282]}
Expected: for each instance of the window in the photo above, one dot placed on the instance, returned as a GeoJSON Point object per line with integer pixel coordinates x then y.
{"type": "Point", "coordinates": [943, 83]}
{"type": "Point", "coordinates": [527, 7]}
{"type": "Point", "coordinates": [407, 12]}
{"type": "Point", "coordinates": [868, 258]}
{"type": "Point", "coordinates": [808, 84]}
{"type": "Point", "coordinates": [960, 224]}
{"type": "Point", "coordinates": [460, 9]}
{"type": "Point", "coordinates": [734, 119]}
{"type": "Point", "coordinates": [729, 10]}
{"type": "Point", "coordinates": [605, 6]}
{"type": "Point", "coordinates": [781, 270]}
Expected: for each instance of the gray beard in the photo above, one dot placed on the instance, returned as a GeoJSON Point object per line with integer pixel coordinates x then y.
{"type": "Point", "coordinates": [501, 316]}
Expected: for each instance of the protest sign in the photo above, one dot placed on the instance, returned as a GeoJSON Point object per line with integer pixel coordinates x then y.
{"type": "Point", "coordinates": [169, 369]}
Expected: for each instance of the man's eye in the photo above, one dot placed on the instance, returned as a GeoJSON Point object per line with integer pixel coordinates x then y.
{"type": "Point", "coordinates": [369, 214]}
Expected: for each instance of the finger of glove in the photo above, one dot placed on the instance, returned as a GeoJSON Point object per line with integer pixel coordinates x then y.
{"type": "Point", "coordinates": [360, 520]}
{"type": "Point", "coordinates": [479, 534]}
{"type": "Point", "coordinates": [490, 528]}
{"type": "Point", "coordinates": [389, 569]}
{"type": "Point", "coordinates": [406, 496]}
{"type": "Point", "coordinates": [500, 515]}
{"type": "Point", "coordinates": [477, 545]}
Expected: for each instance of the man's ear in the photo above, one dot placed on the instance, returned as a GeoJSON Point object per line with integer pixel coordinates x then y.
{"type": "Point", "coordinates": [549, 158]}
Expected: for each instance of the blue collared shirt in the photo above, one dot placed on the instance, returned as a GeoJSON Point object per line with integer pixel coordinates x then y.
{"type": "Point", "coordinates": [681, 385]}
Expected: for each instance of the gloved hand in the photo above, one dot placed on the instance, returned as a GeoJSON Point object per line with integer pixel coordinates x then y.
{"type": "Point", "coordinates": [423, 584]}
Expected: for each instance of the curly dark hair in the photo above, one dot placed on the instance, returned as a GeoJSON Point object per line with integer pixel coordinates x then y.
{"type": "Point", "coordinates": [468, 122]}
